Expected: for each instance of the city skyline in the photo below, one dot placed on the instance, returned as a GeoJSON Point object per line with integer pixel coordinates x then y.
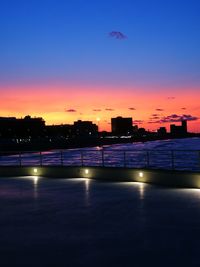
{"type": "Point", "coordinates": [89, 61]}
{"type": "Point", "coordinates": [119, 125]}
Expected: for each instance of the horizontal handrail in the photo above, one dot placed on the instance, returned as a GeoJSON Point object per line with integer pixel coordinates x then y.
{"type": "Point", "coordinates": [176, 159]}
{"type": "Point", "coordinates": [11, 152]}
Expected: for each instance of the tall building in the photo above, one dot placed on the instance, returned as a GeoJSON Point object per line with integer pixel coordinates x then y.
{"type": "Point", "coordinates": [11, 127]}
{"type": "Point", "coordinates": [85, 129]}
{"type": "Point", "coordinates": [162, 131]}
{"type": "Point", "coordinates": [122, 126]}
{"type": "Point", "coordinates": [184, 126]}
{"type": "Point", "coordinates": [179, 130]}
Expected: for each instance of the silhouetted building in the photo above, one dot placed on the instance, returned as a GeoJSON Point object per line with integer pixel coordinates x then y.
{"type": "Point", "coordinates": [142, 132]}
{"type": "Point", "coordinates": [135, 128]}
{"type": "Point", "coordinates": [63, 131]}
{"type": "Point", "coordinates": [162, 131]}
{"type": "Point", "coordinates": [184, 126]}
{"type": "Point", "coordinates": [85, 129]}
{"type": "Point", "coordinates": [122, 126]}
{"type": "Point", "coordinates": [179, 130]}
{"type": "Point", "coordinates": [11, 127]}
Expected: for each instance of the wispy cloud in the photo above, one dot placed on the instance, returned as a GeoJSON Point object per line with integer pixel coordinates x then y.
{"type": "Point", "coordinates": [96, 109]}
{"type": "Point", "coordinates": [117, 35]}
{"type": "Point", "coordinates": [171, 97]}
{"type": "Point", "coordinates": [154, 117]}
{"type": "Point", "coordinates": [159, 109]}
{"type": "Point", "coordinates": [71, 110]}
{"type": "Point", "coordinates": [138, 121]}
{"type": "Point", "coordinates": [131, 108]}
{"type": "Point", "coordinates": [109, 109]}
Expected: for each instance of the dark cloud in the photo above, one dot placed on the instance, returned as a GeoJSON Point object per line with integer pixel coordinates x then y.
{"type": "Point", "coordinates": [152, 121]}
{"type": "Point", "coordinates": [159, 109]}
{"type": "Point", "coordinates": [183, 108]}
{"type": "Point", "coordinates": [171, 97]}
{"type": "Point", "coordinates": [71, 110]}
{"type": "Point", "coordinates": [155, 117]}
{"type": "Point", "coordinates": [109, 109]}
{"type": "Point", "coordinates": [96, 110]}
{"type": "Point", "coordinates": [189, 117]}
{"type": "Point", "coordinates": [131, 108]}
{"type": "Point", "coordinates": [138, 121]}
{"type": "Point", "coordinates": [117, 35]}
{"type": "Point", "coordinates": [174, 118]}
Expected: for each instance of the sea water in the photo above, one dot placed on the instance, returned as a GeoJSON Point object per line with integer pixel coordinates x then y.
{"type": "Point", "coordinates": [179, 154]}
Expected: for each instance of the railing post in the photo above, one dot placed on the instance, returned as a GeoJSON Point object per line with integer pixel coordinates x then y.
{"type": "Point", "coordinates": [20, 159]}
{"type": "Point", "coordinates": [40, 158]}
{"type": "Point", "coordinates": [102, 155]}
{"type": "Point", "coordinates": [147, 154]}
{"type": "Point", "coordinates": [124, 159]}
{"type": "Point", "coordinates": [172, 159]}
{"type": "Point", "coordinates": [61, 157]}
{"type": "Point", "coordinates": [81, 158]}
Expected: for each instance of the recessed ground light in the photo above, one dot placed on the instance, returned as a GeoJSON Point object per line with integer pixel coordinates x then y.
{"type": "Point", "coordinates": [86, 171]}
{"type": "Point", "coordinates": [141, 174]}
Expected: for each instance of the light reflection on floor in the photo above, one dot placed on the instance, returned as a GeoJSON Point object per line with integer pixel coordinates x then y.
{"type": "Point", "coordinates": [82, 222]}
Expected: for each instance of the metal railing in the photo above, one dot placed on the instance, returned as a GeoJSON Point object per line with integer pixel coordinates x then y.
{"type": "Point", "coordinates": [155, 159]}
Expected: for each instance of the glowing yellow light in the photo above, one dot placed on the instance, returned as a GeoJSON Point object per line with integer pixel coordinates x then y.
{"type": "Point", "coordinates": [35, 170]}
{"type": "Point", "coordinates": [141, 174]}
{"type": "Point", "coordinates": [35, 180]}
{"type": "Point", "coordinates": [86, 171]}
{"type": "Point", "coordinates": [98, 119]}
{"type": "Point", "coordinates": [141, 190]}
{"type": "Point", "coordinates": [87, 182]}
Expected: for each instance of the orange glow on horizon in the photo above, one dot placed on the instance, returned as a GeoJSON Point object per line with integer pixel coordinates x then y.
{"type": "Point", "coordinates": [66, 104]}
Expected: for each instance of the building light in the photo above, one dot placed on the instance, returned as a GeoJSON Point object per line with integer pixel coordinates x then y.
{"type": "Point", "coordinates": [35, 170]}
{"type": "Point", "coordinates": [141, 174]}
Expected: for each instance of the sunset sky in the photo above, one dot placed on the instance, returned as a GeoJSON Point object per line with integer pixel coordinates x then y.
{"type": "Point", "coordinates": [62, 60]}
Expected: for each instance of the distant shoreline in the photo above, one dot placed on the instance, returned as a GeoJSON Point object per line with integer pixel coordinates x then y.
{"type": "Point", "coordinates": [41, 145]}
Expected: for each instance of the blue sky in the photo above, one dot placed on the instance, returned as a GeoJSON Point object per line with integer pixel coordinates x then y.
{"type": "Point", "coordinates": [68, 40]}
{"type": "Point", "coordinates": [57, 55]}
